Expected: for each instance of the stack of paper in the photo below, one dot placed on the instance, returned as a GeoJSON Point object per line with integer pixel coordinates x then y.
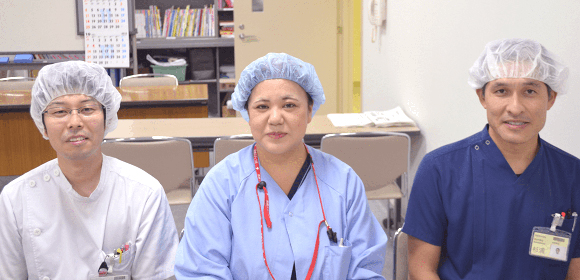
{"type": "Point", "coordinates": [349, 120]}
{"type": "Point", "coordinates": [393, 117]}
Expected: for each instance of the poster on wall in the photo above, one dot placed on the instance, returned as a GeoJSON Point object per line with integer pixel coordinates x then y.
{"type": "Point", "coordinates": [106, 33]}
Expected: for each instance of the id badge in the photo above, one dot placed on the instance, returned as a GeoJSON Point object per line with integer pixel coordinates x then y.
{"type": "Point", "coordinates": [111, 277]}
{"type": "Point", "coordinates": [550, 245]}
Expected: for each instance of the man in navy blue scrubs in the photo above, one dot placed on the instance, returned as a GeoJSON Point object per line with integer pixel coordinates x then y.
{"type": "Point", "coordinates": [502, 203]}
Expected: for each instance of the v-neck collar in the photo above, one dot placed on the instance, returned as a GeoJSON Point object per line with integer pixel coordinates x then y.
{"type": "Point", "coordinates": [491, 152]}
{"type": "Point", "coordinates": [300, 177]}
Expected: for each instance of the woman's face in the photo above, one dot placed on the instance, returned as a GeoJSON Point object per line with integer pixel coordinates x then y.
{"type": "Point", "coordinates": [279, 113]}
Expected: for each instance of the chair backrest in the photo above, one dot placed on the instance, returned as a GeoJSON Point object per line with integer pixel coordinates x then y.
{"type": "Point", "coordinates": [400, 264]}
{"type": "Point", "coordinates": [149, 80]}
{"type": "Point", "coordinates": [378, 158]}
{"type": "Point", "coordinates": [168, 159]}
{"type": "Point", "coordinates": [224, 146]}
{"type": "Point", "coordinates": [16, 83]}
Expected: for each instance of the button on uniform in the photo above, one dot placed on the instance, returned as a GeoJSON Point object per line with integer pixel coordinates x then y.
{"type": "Point", "coordinates": [487, 142]}
{"type": "Point", "coordinates": [46, 177]}
{"type": "Point", "coordinates": [290, 214]}
{"type": "Point", "coordinates": [56, 172]}
{"type": "Point", "coordinates": [32, 183]}
{"type": "Point", "coordinates": [476, 147]}
{"type": "Point", "coordinates": [36, 231]}
{"type": "Point", "coordinates": [45, 278]}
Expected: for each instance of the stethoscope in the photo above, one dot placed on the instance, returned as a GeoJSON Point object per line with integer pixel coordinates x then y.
{"type": "Point", "coordinates": [262, 186]}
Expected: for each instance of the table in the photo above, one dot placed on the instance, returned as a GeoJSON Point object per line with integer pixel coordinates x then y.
{"type": "Point", "coordinates": [203, 132]}
{"type": "Point", "coordinates": [22, 147]}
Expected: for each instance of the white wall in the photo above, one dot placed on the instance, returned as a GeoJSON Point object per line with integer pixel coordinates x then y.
{"type": "Point", "coordinates": [421, 58]}
{"type": "Point", "coordinates": [39, 25]}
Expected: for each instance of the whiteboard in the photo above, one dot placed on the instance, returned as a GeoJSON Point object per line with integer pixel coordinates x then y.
{"type": "Point", "coordinates": [39, 26]}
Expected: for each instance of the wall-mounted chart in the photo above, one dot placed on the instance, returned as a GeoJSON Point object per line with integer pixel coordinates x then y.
{"type": "Point", "coordinates": [106, 32]}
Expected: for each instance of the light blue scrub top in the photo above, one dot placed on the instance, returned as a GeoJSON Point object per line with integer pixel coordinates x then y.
{"type": "Point", "coordinates": [467, 199]}
{"type": "Point", "coordinates": [222, 227]}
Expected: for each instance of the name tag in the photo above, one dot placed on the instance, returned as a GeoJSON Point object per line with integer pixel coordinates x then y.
{"type": "Point", "coordinates": [111, 277]}
{"type": "Point", "coordinates": [549, 244]}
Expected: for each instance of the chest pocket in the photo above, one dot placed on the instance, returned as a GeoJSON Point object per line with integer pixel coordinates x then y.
{"type": "Point", "coordinates": [336, 261]}
{"type": "Point", "coordinates": [122, 263]}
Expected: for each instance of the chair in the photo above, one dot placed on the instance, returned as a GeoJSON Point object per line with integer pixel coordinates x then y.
{"type": "Point", "coordinates": [16, 83]}
{"type": "Point", "coordinates": [168, 159]}
{"type": "Point", "coordinates": [148, 80]}
{"type": "Point", "coordinates": [224, 146]}
{"type": "Point", "coordinates": [380, 159]}
{"type": "Point", "coordinates": [400, 262]}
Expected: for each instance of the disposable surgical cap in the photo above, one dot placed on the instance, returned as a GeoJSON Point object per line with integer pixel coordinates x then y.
{"type": "Point", "coordinates": [74, 77]}
{"type": "Point", "coordinates": [277, 66]}
{"type": "Point", "coordinates": [518, 58]}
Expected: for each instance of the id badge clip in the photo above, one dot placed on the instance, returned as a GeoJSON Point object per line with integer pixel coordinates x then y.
{"type": "Point", "coordinates": [552, 243]}
{"type": "Point", "coordinates": [105, 271]}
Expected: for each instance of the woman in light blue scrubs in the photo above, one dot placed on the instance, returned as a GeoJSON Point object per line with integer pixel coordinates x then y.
{"type": "Point", "coordinates": [279, 209]}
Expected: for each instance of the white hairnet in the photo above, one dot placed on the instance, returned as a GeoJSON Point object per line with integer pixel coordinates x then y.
{"type": "Point", "coordinates": [74, 77]}
{"type": "Point", "coordinates": [277, 66]}
{"type": "Point", "coordinates": [518, 58]}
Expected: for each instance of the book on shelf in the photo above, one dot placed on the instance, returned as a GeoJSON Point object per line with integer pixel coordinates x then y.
{"type": "Point", "coordinates": [184, 21]}
{"type": "Point", "coordinates": [148, 22]}
{"type": "Point", "coordinates": [140, 20]}
{"type": "Point", "coordinates": [389, 118]}
{"type": "Point", "coordinates": [226, 3]}
{"type": "Point", "coordinates": [176, 22]}
{"type": "Point", "coordinates": [56, 57]}
{"type": "Point", "coordinates": [226, 29]}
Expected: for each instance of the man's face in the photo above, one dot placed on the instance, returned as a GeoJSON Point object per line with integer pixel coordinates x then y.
{"type": "Point", "coordinates": [78, 135]}
{"type": "Point", "coordinates": [516, 109]}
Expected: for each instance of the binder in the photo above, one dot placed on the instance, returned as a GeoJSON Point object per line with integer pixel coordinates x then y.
{"type": "Point", "coordinates": [23, 58]}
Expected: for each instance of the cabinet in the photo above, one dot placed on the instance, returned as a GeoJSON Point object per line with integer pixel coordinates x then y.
{"type": "Point", "coordinates": [219, 50]}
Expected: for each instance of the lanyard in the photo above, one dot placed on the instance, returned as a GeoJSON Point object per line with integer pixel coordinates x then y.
{"type": "Point", "coordinates": [262, 186]}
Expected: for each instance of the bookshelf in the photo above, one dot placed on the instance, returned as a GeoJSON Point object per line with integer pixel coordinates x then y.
{"type": "Point", "coordinates": [198, 51]}
{"type": "Point", "coordinates": [37, 63]}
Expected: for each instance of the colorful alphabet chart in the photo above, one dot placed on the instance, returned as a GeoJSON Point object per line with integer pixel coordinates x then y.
{"type": "Point", "coordinates": [106, 32]}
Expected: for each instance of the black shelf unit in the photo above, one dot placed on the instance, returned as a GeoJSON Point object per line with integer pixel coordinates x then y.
{"type": "Point", "coordinates": [221, 48]}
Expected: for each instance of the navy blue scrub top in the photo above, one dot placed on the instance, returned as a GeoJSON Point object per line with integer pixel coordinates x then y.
{"type": "Point", "coordinates": [467, 199]}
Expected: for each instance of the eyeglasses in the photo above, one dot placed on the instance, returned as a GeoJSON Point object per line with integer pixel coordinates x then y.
{"type": "Point", "coordinates": [61, 112]}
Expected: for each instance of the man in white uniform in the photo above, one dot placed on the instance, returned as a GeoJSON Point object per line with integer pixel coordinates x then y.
{"type": "Point", "coordinates": [83, 213]}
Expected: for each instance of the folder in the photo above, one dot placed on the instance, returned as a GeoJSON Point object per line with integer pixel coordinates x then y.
{"type": "Point", "coordinates": [23, 58]}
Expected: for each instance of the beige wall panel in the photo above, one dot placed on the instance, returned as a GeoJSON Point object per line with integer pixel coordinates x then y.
{"type": "Point", "coordinates": [304, 29]}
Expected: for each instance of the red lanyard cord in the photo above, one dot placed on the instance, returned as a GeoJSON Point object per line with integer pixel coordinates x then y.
{"type": "Point", "coordinates": [262, 227]}
{"type": "Point", "coordinates": [331, 234]}
{"type": "Point", "coordinates": [262, 185]}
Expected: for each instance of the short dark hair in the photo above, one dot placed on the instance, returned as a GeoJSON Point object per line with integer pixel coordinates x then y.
{"type": "Point", "coordinates": [547, 86]}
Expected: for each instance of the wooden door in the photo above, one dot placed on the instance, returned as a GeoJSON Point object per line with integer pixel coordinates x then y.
{"type": "Point", "coordinates": [304, 29]}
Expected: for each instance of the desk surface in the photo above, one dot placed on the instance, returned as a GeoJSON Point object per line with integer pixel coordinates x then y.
{"type": "Point", "coordinates": [202, 132]}
{"type": "Point", "coordinates": [195, 94]}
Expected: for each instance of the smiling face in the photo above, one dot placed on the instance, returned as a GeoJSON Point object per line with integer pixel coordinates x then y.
{"type": "Point", "coordinates": [75, 136]}
{"type": "Point", "coordinates": [279, 112]}
{"type": "Point", "coordinates": [516, 110]}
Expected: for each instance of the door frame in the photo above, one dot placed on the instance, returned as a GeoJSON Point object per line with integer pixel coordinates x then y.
{"type": "Point", "coordinates": [345, 63]}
